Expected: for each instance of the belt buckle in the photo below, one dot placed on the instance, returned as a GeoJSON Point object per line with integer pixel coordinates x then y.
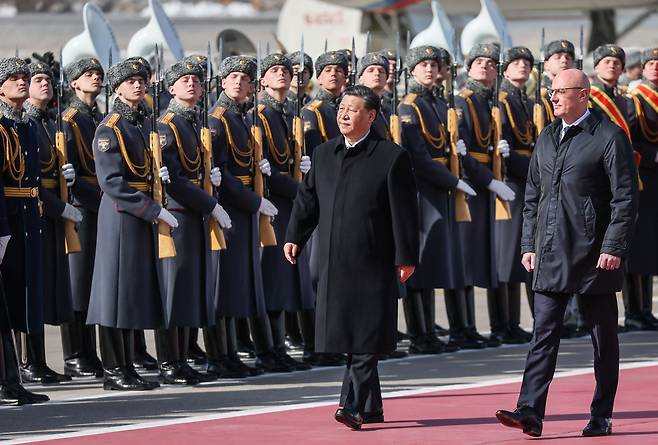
{"type": "Point", "coordinates": [34, 192]}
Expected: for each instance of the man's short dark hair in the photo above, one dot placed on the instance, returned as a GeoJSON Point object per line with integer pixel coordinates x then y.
{"type": "Point", "coordinates": [370, 99]}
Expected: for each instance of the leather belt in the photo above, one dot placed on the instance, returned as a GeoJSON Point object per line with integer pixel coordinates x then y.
{"type": "Point", "coordinates": [443, 161]}
{"type": "Point", "coordinates": [90, 179]}
{"type": "Point", "coordinates": [523, 151]}
{"type": "Point", "coordinates": [49, 183]}
{"type": "Point", "coordinates": [141, 186]}
{"type": "Point", "coordinates": [483, 158]}
{"type": "Point", "coordinates": [22, 192]}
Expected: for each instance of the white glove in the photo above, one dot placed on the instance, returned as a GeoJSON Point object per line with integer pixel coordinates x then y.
{"type": "Point", "coordinates": [215, 176]}
{"type": "Point", "coordinates": [71, 213]}
{"type": "Point", "coordinates": [461, 147]}
{"type": "Point", "coordinates": [164, 176]}
{"type": "Point", "coordinates": [305, 164]}
{"type": "Point", "coordinates": [265, 167]}
{"type": "Point", "coordinates": [502, 190]}
{"type": "Point", "coordinates": [168, 218]}
{"type": "Point", "coordinates": [267, 208]}
{"type": "Point", "coordinates": [221, 217]}
{"type": "Point", "coordinates": [69, 174]}
{"type": "Point", "coordinates": [4, 240]}
{"type": "Point", "coordinates": [503, 148]}
{"type": "Point", "coordinates": [464, 187]}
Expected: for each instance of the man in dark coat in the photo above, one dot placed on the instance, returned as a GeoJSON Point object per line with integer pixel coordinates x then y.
{"type": "Point", "coordinates": [643, 255]}
{"type": "Point", "coordinates": [362, 199]}
{"type": "Point", "coordinates": [580, 207]}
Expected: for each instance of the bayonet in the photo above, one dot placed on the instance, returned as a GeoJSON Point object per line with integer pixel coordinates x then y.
{"type": "Point", "coordinates": [353, 62]}
{"type": "Point", "coordinates": [580, 53]}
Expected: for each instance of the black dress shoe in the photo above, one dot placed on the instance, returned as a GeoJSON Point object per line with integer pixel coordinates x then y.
{"type": "Point", "coordinates": [83, 367]}
{"type": "Point", "coordinates": [649, 319]}
{"type": "Point", "coordinates": [520, 333]}
{"type": "Point", "coordinates": [268, 362]}
{"type": "Point", "coordinates": [474, 335]}
{"type": "Point", "coordinates": [598, 426]}
{"type": "Point", "coordinates": [464, 342]}
{"type": "Point", "coordinates": [397, 354]}
{"type": "Point", "coordinates": [246, 349]}
{"type": "Point", "coordinates": [119, 379]}
{"type": "Point", "coordinates": [8, 397]}
{"type": "Point", "coordinates": [399, 336]}
{"type": "Point", "coordinates": [196, 355]}
{"type": "Point", "coordinates": [223, 368]}
{"type": "Point", "coordinates": [294, 342]}
{"type": "Point", "coordinates": [424, 344]}
{"type": "Point", "coordinates": [133, 372]}
{"type": "Point", "coordinates": [441, 331]}
{"type": "Point", "coordinates": [200, 376]}
{"type": "Point", "coordinates": [523, 418]}
{"type": "Point", "coordinates": [15, 391]}
{"type": "Point", "coordinates": [505, 337]}
{"type": "Point", "coordinates": [238, 364]}
{"type": "Point", "coordinates": [172, 373]}
{"type": "Point", "coordinates": [322, 359]}
{"type": "Point", "coordinates": [291, 362]}
{"type": "Point", "coordinates": [145, 361]}
{"type": "Point", "coordinates": [348, 418]}
{"type": "Point", "coordinates": [374, 417]}
{"type": "Point", "coordinates": [41, 373]}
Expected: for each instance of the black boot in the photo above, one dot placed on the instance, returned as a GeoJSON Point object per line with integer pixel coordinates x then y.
{"type": "Point", "coordinates": [244, 343]}
{"type": "Point", "coordinates": [33, 361]}
{"type": "Point", "coordinates": [269, 362]}
{"type": "Point", "coordinates": [471, 332]}
{"type": "Point", "coordinates": [294, 339]}
{"type": "Point", "coordinates": [455, 301]}
{"type": "Point", "coordinates": [647, 302]}
{"type": "Point", "coordinates": [11, 390]}
{"type": "Point", "coordinates": [291, 362]}
{"type": "Point", "coordinates": [498, 307]}
{"type": "Point", "coordinates": [119, 379]}
{"type": "Point", "coordinates": [195, 354]}
{"type": "Point", "coordinates": [142, 360]}
{"type": "Point", "coordinates": [174, 373]}
{"type": "Point", "coordinates": [517, 334]}
{"type": "Point", "coordinates": [414, 315]}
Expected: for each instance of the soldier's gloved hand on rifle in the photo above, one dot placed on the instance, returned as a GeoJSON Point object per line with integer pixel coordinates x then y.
{"type": "Point", "coordinates": [4, 240]}
{"type": "Point", "coordinates": [265, 167]}
{"type": "Point", "coordinates": [168, 218]}
{"type": "Point", "coordinates": [215, 176]}
{"type": "Point", "coordinates": [221, 217]}
{"type": "Point", "coordinates": [464, 187]}
{"type": "Point", "coordinates": [164, 175]}
{"type": "Point", "coordinates": [461, 147]}
{"type": "Point", "coordinates": [69, 174]}
{"type": "Point", "coordinates": [502, 190]}
{"type": "Point", "coordinates": [503, 148]}
{"type": "Point", "coordinates": [71, 213]}
{"type": "Point", "coordinates": [305, 164]}
{"type": "Point", "coordinates": [267, 208]}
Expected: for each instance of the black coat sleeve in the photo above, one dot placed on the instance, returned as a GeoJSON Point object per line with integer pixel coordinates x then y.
{"type": "Point", "coordinates": [621, 170]}
{"type": "Point", "coordinates": [305, 211]}
{"type": "Point", "coordinates": [532, 193]}
{"type": "Point", "coordinates": [404, 211]}
{"type": "Point", "coordinates": [53, 207]}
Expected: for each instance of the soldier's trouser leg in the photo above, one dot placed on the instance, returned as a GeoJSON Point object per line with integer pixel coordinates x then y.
{"type": "Point", "coordinates": [632, 292]}
{"type": "Point", "coordinates": [167, 345]}
{"type": "Point", "coordinates": [277, 321]}
{"type": "Point", "coordinates": [116, 347]}
{"type": "Point", "coordinates": [429, 309]}
{"type": "Point", "coordinates": [498, 306]}
{"type": "Point", "coordinates": [306, 319]}
{"type": "Point", "coordinates": [647, 294]}
{"type": "Point", "coordinates": [184, 343]}
{"type": "Point", "coordinates": [214, 337]}
{"type": "Point", "coordinates": [9, 371]}
{"type": "Point", "coordinates": [231, 337]}
{"type": "Point", "coordinates": [261, 332]}
{"type": "Point", "coordinates": [514, 304]}
{"type": "Point", "coordinates": [456, 309]}
{"type": "Point", "coordinates": [469, 292]}
{"type": "Point", "coordinates": [78, 338]}
{"type": "Point", "coordinates": [293, 330]}
{"type": "Point", "coordinates": [242, 330]}
{"type": "Point", "coordinates": [31, 348]}
{"type": "Point", "coordinates": [531, 298]}
{"type": "Point", "coordinates": [414, 314]}
{"type": "Point", "coordinates": [139, 342]}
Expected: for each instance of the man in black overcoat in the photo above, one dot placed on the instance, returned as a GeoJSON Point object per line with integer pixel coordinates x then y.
{"type": "Point", "coordinates": [581, 202]}
{"type": "Point", "coordinates": [362, 200]}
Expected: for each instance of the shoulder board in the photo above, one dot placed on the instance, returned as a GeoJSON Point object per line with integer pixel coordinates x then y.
{"type": "Point", "coordinates": [69, 114]}
{"type": "Point", "coordinates": [112, 120]}
{"type": "Point", "coordinates": [465, 93]}
{"type": "Point", "coordinates": [411, 97]}
{"type": "Point", "coordinates": [502, 95]}
{"type": "Point", "coordinates": [314, 105]}
{"type": "Point", "coordinates": [167, 118]}
{"type": "Point", "coordinates": [261, 107]}
{"type": "Point", "coordinates": [218, 112]}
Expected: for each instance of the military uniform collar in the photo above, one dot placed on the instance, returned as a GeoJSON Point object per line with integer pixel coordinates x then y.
{"type": "Point", "coordinates": [511, 89]}
{"type": "Point", "coordinates": [35, 113]}
{"type": "Point", "coordinates": [478, 88]}
{"type": "Point", "coordinates": [419, 90]}
{"type": "Point", "coordinates": [131, 115]}
{"type": "Point", "coordinates": [269, 101]}
{"type": "Point", "coordinates": [83, 107]}
{"type": "Point", "coordinates": [325, 96]}
{"type": "Point", "coordinates": [187, 113]}
{"type": "Point", "coordinates": [11, 113]}
{"type": "Point", "coordinates": [610, 91]}
{"type": "Point", "coordinates": [649, 84]}
{"type": "Point", "coordinates": [226, 102]}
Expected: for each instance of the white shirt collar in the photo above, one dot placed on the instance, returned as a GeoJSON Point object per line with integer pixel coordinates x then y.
{"type": "Point", "coordinates": [565, 126]}
{"type": "Point", "coordinates": [348, 145]}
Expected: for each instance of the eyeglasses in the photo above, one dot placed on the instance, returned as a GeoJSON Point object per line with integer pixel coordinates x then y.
{"type": "Point", "coordinates": [561, 91]}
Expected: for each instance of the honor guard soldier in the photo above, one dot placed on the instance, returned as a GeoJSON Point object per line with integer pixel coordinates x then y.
{"type": "Point", "coordinates": [560, 55]}
{"type": "Point", "coordinates": [319, 116]}
{"type": "Point", "coordinates": [56, 280]}
{"type": "Point", "coordinates": [643, 257]}
{"type": "Point", "coordinates": [286, 288]}
{"type": "Point", "coordinates": [126, 292]}
{"type": "Point", "coordinates": [240, 291]}
{"type": "Point", "coordinates": [439, 90]}
{"type": "Point", "coordinates": [291, 104]}
{"type": "Point", "coordinates": [22, 267]}
{"type": "Point", "coordinates": [387, 97]}
{"type": "Point", "coordinates": [372, 71]}
{"type": "Point", "coordinates": [441, 260]}
{"type": "Point", "coordinates": [477, 128]}
{"type": "Point", "coordinates": [79, 122]}
{"type": "Point", "coordinates": [189, 276]}
{"type": "Point", "coordinates": [519, 136]}
{"type": "Point", "coordinates": [632, 76]}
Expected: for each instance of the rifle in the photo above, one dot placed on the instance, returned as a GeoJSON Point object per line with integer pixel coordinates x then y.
{"type": "Point", "coordinates": [267, 235]}
{"type": "Point", "coordinates": [297, 124]}
{"type": "Point", "coordinates": [71, 239]}
{"type": "Point", "coordinates": [220, 58]}
{"type": "Point", "coordinates": [462, 211]}
{"type": "Point", "coordinates": [503, 211]}
{"type": "Point", "coordinates": [538, 108]}
{"type": "Point", "coordinates": [394, 120]}
{"type": "Point", "coordinates": [579, 63]}
{"type": "Point", "coordinates": [217, 241]}
{"type": "Point", "coordinates": [166, 247]}
{"type": "Point", "coordinates": [107, 84]}
{"type": "Point", "coordinates": [406, 69]}
{"type": "Point", "coordinates": [353, 62]}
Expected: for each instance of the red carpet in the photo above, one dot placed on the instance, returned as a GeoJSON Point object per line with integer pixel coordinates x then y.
{"type": "Point", "coordinates": [456, 417]}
